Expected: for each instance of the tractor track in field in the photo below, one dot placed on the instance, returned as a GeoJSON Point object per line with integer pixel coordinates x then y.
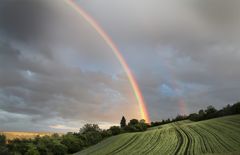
{"type": "Point", "coordinates": [162, 140]}
{"type": "Point", "coordinates": [218, 139]}
{"type": "Point", "coordinates": [201, 138]}
{"type": "Point", "coordinates": [132, 146]}
{"type": "Point", "coordinates": [229, 127]}
{"type": "Point", "coordinates": [192, 140]}
{"type": "Point", "coordinates": [180, 141]}
{"type": "Point", "coordinates": [237, 140]}
{"type": "Point", "coordinates": [185, 138]}
{"type": "Point", "coordinates": [124, 145]}
{"type": "Point", "coordinates": [155, 134]}
{"type": "Point", "coordinates": [189, 141]}
{"type": "Point", "coordinates": [155, 144]}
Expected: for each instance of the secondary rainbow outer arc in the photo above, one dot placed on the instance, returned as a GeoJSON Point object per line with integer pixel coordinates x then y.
{"type": "Point", "coordinates": [108, 40]}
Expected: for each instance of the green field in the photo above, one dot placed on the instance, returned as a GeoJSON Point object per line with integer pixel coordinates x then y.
{"type": "Point", "coordinates": [215, 136]}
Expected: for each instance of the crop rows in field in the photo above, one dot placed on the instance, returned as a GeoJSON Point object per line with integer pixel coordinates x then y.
{"type": "Point", "coordinates": [219, 135]}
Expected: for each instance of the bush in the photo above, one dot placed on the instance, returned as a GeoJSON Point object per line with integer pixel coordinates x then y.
{"type": "Point", "coordinates": [106, 133]}
{"type": "Point", "coordinates": [92, 137]}
{"type": "Point", "coordinates": [136, 126]}
{"type": "Point", "coordinates": [133, 122]}
{"type": "Point", "coordinates": [32, 150]}
{"type": "Point", "coordinates": [142, 126]}
{"type": "Point", "coordinates": [194, 117]}
{"type": "Point", "coordinates": [2, 140]}
{"type": "Point", "coordinates": [19, 145]}
{"type": "Point", "coordinates": [130, 128]}
{"type": "Point", "coordinates": [72, 143]}
{"type": "Point", "coordinates": [59, 149]}
{"type": "Point", "coordinates": [115, 130]}
{"type": "Point", "coordinates": [90, 128]}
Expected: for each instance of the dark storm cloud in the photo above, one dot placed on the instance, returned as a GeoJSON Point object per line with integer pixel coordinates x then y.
{"type": "Point", "coordinates": [219, 12]}
{"type": "Point", "coordinates": [24, 19]}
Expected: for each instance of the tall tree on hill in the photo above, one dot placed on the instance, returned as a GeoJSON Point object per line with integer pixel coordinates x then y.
{"type": "Point", "coordinates": [123, 122]}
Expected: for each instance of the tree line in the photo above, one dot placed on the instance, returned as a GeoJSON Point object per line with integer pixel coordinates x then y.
{"type": "Point", "coordinates": [69, 143]}
{"type": "Point", "coordinates": [203, 114]}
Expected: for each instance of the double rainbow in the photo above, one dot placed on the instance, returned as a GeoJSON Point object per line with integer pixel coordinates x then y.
{"type": "Point", "coordinates": [110, 43]}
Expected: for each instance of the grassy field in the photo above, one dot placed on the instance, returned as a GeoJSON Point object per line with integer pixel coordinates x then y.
{"type": "Point", "coordinates": [215, 136]}
{"type": "Point", "coordinates": [27, 135]}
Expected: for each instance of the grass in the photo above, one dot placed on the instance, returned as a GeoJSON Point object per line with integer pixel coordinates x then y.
{"type": "Point", "coordinates": [215, 136]}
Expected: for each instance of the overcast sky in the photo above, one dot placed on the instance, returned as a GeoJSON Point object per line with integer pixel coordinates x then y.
{"type": "Point", "coordinates": [57, 73]}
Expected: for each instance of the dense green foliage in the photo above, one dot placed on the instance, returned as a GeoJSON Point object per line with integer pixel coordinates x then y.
{"type": "Point", "coordinates": [3, 148]}
{"type": "Point", "coordinates": [2, 140]}
{"type": "Point", "coordinates": [215, 136]}
{"type": "Point", "coordinates": [88, 135]}
{"type": "Point", "coordinates": [52, 145]}
{"type": "Point", "coordinates": [136, 126]}
{"type": "Point", "coordinates": [115, 130]}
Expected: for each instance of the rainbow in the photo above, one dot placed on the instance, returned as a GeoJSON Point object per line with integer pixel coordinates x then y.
{"type": "Point", "coordinates": [110, 43]}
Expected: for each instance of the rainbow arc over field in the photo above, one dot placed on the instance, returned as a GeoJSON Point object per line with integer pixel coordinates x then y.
{"type": "Point", "coordinates": [111, 44]}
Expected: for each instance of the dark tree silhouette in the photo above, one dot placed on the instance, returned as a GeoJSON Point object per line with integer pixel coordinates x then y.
{"type": "Point", "coordinates": [133, 122]}
{"type": "Point", "coordinates": [210, 110]}
{"type": "Point", "coordinates": [123, 122]}
{"type": "Point", "coordinates": [115, 130]}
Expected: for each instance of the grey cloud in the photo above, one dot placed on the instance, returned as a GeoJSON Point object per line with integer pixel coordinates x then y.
{"type": "Point", "coordinates": [55, 68]}
{"type": "Point", "coordinates": [22, 19]}
{"type": "Point", "coordinates": [156, 21]}
{"type": "Point", "coordinates": [45, 26]}
{"type": "Point", "coordinates": [43, 88]}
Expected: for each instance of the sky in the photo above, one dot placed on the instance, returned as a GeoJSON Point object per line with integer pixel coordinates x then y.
{"type": "Point", "coordinates": [57, 73]}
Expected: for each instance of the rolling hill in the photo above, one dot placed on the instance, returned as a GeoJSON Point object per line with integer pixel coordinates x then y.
{"type": "Point", "coordinates": [214, 136]}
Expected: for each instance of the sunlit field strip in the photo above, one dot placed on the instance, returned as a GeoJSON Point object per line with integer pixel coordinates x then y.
{"type": "Point", "coordinates": [26, 135]}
